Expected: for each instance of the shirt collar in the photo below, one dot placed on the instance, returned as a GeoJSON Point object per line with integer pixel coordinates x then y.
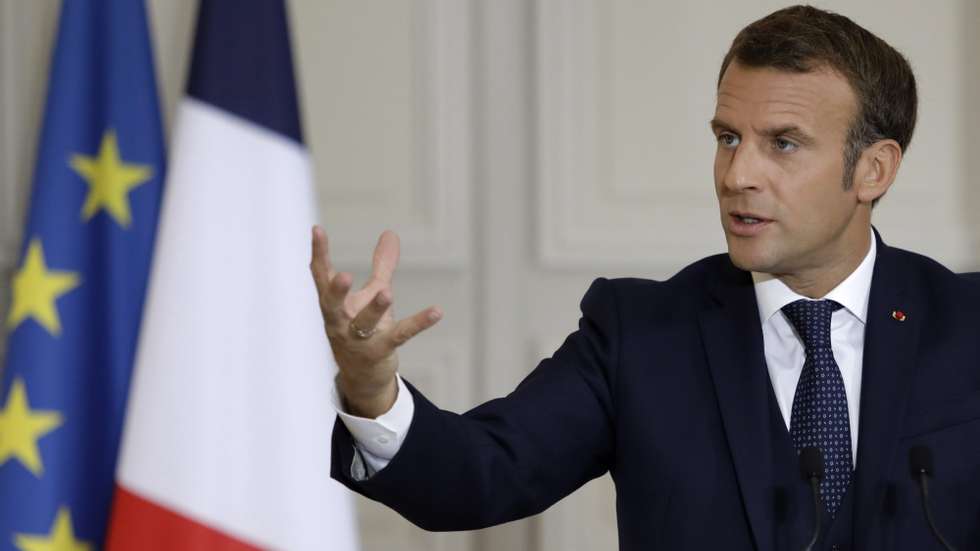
{"type": "Point", "coordinates": [772, 294]}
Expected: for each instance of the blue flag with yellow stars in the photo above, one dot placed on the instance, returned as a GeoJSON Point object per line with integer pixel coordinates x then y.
{"type": "Point", "coordinates": [77, 292]}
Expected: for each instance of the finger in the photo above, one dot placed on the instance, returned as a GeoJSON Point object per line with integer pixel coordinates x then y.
{"type": "Point", "coordinates": [320, 264]}
{"type": "Point", "coordinates": [407, 328]}
{"type": "Point", "coordinates": [385, 259]}
{"type": "Point", "coordinates": [332, 302]}
{"type": "Point", "coordinates": [369, 316]}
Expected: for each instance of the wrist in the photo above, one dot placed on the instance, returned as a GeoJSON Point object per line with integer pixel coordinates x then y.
{"type": "Point", "coordinates": [367, 399]}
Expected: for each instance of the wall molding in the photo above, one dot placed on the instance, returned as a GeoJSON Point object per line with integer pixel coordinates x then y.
{"type": "Point", "coordinates": [584, 220]}
{"type": "Point", "coordinates": [435, 229]}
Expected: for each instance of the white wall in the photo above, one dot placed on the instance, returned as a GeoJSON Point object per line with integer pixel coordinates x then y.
{"type": "Point", "coordinates": [522, 148]}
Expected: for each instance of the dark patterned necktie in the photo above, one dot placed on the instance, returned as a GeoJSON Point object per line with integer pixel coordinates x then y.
{"type": "Point", "coordinates": [820, 417]}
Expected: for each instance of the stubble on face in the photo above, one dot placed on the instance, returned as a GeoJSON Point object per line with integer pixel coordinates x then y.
{"type": "Point", "coordinates": [780, 159]}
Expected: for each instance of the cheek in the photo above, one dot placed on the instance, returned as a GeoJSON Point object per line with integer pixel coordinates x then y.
{"type": "Point", "coordinates": [720, 167]}
{"type": "Point", "coordinates": [816, 200]}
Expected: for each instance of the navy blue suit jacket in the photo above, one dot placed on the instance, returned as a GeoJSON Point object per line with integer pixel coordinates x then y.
{"type": "Point", "coordinates": [665, 386]}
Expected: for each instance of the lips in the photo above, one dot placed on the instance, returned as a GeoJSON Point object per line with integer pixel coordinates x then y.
{"type": "Point", "coordinates": [749, 216]}
{"type": "Point", "coordinates": [747, 223]}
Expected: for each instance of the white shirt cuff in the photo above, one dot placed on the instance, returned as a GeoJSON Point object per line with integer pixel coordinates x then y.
{"type": "Point", "coordinates": [380, 438]}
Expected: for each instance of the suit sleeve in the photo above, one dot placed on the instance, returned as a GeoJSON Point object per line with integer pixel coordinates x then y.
{"type": "Point", "coordinates": [511, 457]}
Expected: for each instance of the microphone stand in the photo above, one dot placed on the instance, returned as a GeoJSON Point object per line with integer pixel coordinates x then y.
{"type": "Point", "coordinates": [920, 460]}
{"type": "Point", "coordinates": [812, 470]}
{"type": "Point", "coordinates": [817, 505]}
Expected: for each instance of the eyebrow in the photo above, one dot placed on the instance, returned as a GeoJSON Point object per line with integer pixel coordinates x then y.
{"type": "Point", "coordinates": [787, 129]}
{"type": "Point", "coordinates": [718, 124]}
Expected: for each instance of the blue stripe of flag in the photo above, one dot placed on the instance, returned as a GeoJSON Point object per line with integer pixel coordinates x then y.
{"type": "Point", "coordinates": [243, 63]}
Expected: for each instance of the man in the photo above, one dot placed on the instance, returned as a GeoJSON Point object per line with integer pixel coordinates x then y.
{"type": "Point", "coordinates": [698, 393]}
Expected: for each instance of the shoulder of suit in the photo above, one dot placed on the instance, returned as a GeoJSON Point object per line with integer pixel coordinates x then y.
{"type": "Point", "coordinates": [935, 275]}
{"type": "Point", "coordinates": [693, 279]}
{"type": "Point", "coordinates": [972, 277]}
{"type": "Point", "coordinates": [686, 286]}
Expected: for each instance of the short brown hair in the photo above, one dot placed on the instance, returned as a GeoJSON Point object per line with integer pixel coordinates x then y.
{"type": "Point", "coordinates": [803, 38]}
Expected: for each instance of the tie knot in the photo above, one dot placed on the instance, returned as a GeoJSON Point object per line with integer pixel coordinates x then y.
{"type": "Point", "coordinates": [811, 318]}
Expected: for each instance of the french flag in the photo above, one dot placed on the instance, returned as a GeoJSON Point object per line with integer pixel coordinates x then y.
{"type": "Point", "coordinates": [226, 442]}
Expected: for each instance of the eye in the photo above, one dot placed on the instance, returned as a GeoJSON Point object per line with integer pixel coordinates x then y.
{"type": "Point", "coordinates": [784, 145]}
{"type": "Point", "coordinates": [728, 140]}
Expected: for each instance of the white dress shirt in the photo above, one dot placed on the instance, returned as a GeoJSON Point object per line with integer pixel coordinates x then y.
{"type": "Point", "coordinates": [785, 353]}
{"type": "Point", "coordinates": [378, 440]}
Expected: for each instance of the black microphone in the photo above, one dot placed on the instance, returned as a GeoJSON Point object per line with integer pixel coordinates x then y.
{"type": "Point", "coordinates": [811, 469]}
{"type": "Point", "coordinates": [920, 461]}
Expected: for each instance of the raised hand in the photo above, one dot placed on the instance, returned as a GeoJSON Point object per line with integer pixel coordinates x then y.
{"type": "Point", "coordinates": [361, 327]}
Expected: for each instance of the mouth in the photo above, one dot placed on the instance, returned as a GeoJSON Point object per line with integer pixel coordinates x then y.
{"type": "Point", "coordinates": [747, 224]}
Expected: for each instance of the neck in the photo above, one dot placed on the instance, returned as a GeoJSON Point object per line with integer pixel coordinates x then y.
{"type": "Point", "coordinates": [817, 282]}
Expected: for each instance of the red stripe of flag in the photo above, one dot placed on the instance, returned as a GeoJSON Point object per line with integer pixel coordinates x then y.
{"type": "Point", "coordinates": [141, 524]}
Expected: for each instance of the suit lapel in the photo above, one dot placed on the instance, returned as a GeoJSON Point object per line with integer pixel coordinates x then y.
{"type": "Point", "coordinates": [732, 336]}
{"type": "Point", "coordinates": [890, 348]}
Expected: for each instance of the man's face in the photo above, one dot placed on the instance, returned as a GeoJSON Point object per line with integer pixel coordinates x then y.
{"type": "Point", "coordinates": [779, 161]}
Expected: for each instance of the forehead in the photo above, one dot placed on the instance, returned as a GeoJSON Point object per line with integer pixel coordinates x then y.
{"type": "Point", "coordinates": [821, 100]}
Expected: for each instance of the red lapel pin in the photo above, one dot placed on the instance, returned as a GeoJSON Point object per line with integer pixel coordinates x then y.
{"type": "Point", "coordinates": [898, 315]}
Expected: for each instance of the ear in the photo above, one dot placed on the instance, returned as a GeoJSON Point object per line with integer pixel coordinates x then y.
{"type": "Point", "coordinates": [876, 170]}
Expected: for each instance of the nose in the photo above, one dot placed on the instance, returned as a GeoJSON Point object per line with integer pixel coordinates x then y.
{"type": "Point", "coordinates": [743, 171]}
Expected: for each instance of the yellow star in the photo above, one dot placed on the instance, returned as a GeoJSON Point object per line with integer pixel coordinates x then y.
{"type": "Point", "coordinates": [20, 429]}
{"type": "Point", "coordinates": [109, 180]}
{"type": "Point", "coordinates": [36, 289]}
{"type": "Point", "coordinates": [61, 538]}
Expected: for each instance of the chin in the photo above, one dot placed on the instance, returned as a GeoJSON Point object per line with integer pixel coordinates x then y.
{"type": "Point", "coordinates": [743, 264]}
{"type": "Point", "coordinates": [751, 259]}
